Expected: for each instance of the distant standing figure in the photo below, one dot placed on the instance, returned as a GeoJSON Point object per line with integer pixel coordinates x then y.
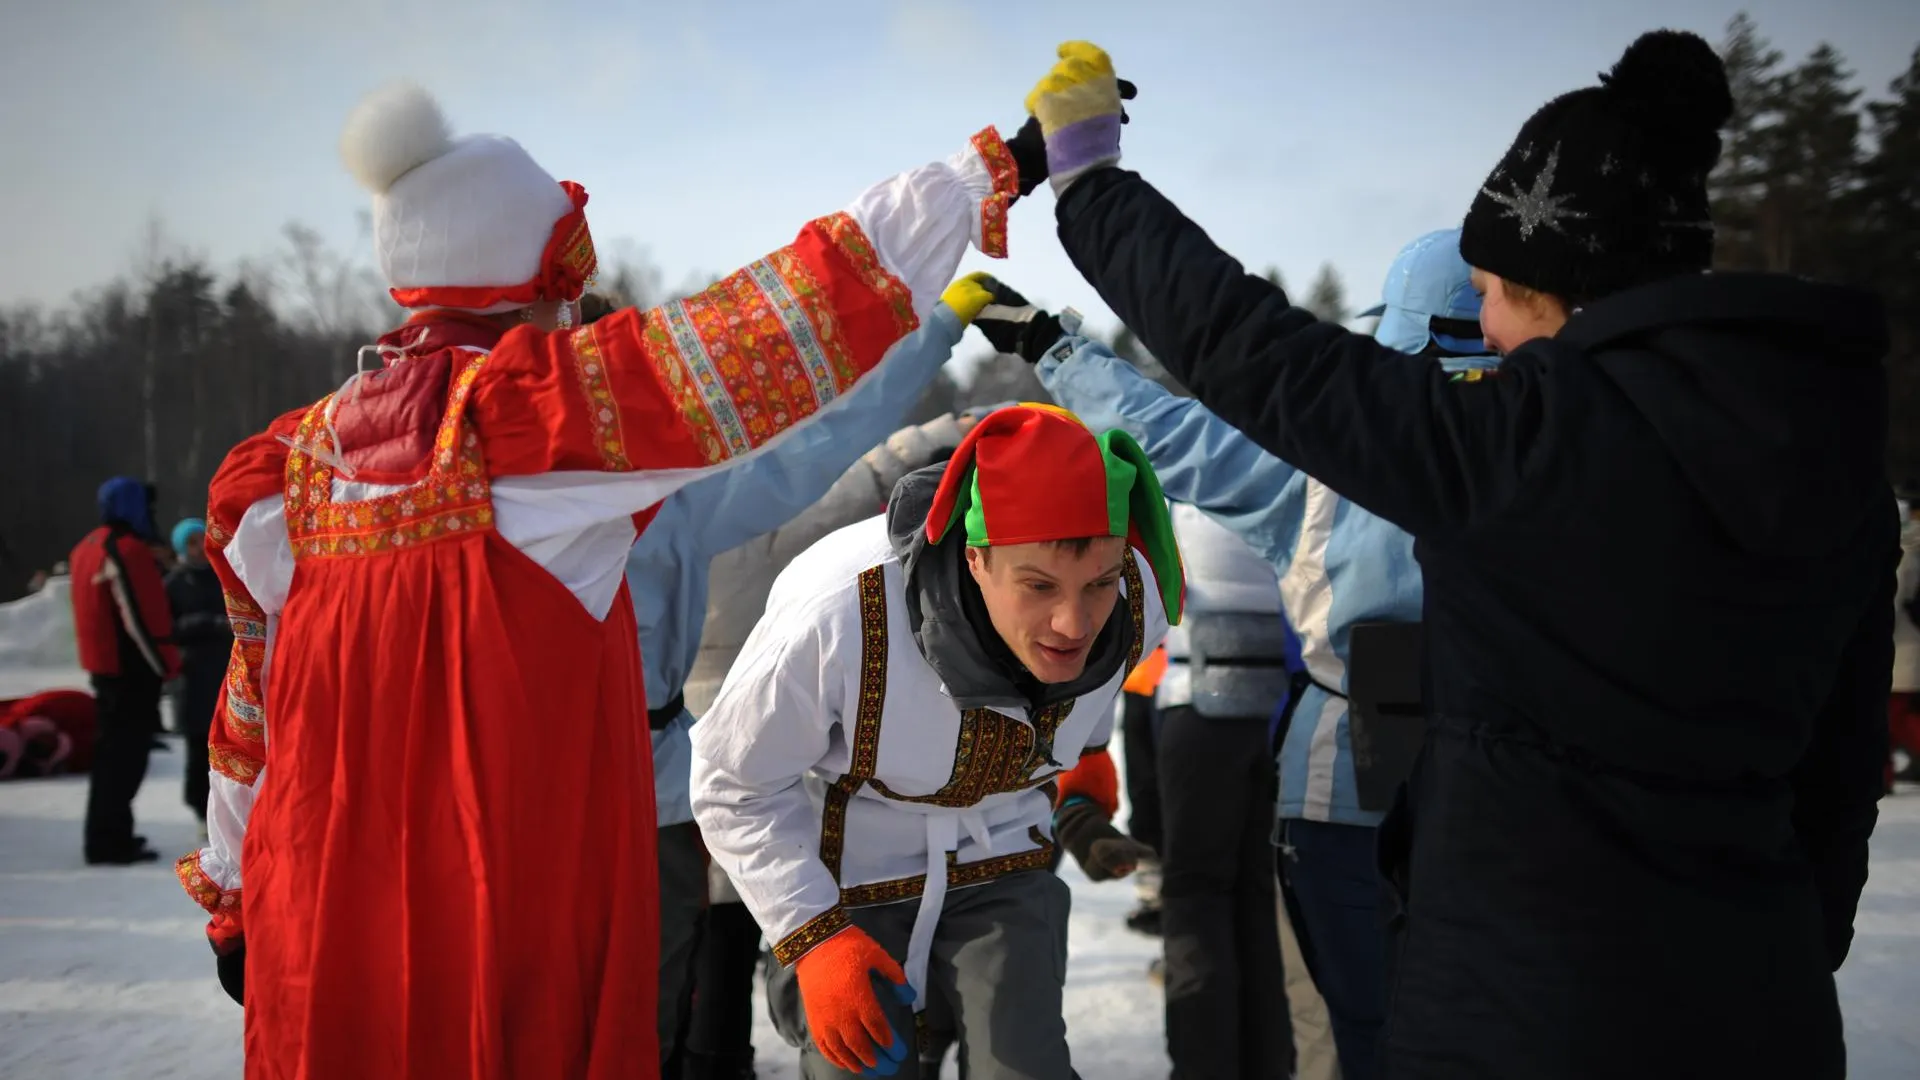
{"type": "Point", "coordinates": [205, 637]}
{"type": "Point", "coordinates": [123, 628]}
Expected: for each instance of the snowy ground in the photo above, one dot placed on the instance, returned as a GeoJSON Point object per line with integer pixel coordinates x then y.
{"type": "Point", "coordinates": [104, 972]}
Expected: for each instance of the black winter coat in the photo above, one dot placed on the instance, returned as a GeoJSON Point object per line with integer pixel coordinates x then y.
{"type": "Point", "coordinates": [1658, 552]}
{"type": "Point", "coordinates": [200, 626]}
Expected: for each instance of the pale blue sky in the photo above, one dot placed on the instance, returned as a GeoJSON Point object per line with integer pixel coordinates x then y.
{"type": "Point", "coordinates": [706, 133]}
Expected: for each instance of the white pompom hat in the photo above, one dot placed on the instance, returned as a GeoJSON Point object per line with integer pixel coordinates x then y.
{"type": "Point", "coordinates": [472, 223]}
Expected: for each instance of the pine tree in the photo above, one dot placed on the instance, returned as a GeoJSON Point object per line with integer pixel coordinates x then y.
{"type": "Point", "coordinates": [1888, 199]}
{"type": "Point", "coordinates": [1887, 216]}
{"type": "Point", "coordinates": [1740, 181]}
{"type": "Point", "coordinates": [1815, 160]}
{"type": "Point", "coordinates": [1327, 297]}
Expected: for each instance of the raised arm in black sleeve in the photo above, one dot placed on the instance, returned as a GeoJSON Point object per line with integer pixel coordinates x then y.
{"type": "Point", "coordinates": [1383, 428]}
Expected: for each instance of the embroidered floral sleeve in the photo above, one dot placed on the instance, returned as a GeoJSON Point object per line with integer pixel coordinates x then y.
{"type": "Point", "coordinates": [701, 381]}
{"type": "Point", "coordinates": [236, 741]}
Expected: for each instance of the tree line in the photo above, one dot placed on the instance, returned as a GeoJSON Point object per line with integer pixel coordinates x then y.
{"type": "Point", "coordinates": [159, 373]}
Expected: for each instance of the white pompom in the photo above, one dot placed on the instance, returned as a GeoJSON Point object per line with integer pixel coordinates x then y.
{"type": "Point", "coordinates": [393, 130]}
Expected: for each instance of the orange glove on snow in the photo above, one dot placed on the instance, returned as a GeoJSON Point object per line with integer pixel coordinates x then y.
{"type": "Point", "coordinates": [844, 1016]}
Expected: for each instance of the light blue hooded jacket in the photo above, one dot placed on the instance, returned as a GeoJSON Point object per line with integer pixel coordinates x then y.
{"type": "Point", "coordinates": [667, 568]}
{"type": "Point", "coordinates": [1338, 564]}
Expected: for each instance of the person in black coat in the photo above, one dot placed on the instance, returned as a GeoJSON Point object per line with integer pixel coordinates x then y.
{"type": "Point", "coordinates": [205, 638]}
{"type": "Point", "coordinates": [1658, 547]}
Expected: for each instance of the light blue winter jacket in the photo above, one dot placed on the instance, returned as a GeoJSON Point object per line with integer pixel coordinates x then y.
{"type": "Point", "coordinates": [1338, 564]}
{"type": "Point", "coordinates": [667, 568]}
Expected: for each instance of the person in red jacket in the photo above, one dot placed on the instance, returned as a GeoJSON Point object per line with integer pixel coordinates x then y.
{"type": "Point", "coordinates": [123, 627]}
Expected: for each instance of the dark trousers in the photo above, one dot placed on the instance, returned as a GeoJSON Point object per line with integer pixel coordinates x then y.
{"type": "Point", "coordinates": [999, 962]}
{"type": "Point", "coordinates": [1333, 900]}
{"type": "Point", "coordinates": [1143, 772]}
{"type": "Point", "coordinates": [683, 908]}
{"type": "Point", "coordinates": [1226, 1015]}
{"type": "Point", "coordinates": [199, 696]}
{"type": "Point", "coordinates": [721, 1028]}
{"type": "Point", "coordinates": [129, 714]}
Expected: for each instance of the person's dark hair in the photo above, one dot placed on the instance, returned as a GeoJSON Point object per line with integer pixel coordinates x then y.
{"type": "Point", "coordinates": [594, 306]}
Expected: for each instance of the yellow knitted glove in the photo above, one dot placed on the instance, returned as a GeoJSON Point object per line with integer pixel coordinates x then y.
{"type": "Point", "coordinates": [1078, 106]}
{"type": "Point", "coordinates": [968, 295]}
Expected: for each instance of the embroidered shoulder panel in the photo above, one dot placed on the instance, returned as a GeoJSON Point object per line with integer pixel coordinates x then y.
{"type": "Point", "coordinates": [453, 500]}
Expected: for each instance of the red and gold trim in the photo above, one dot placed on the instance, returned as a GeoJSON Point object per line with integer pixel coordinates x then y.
{"type": "Point", "coordinates": [883, 317]}
{"type": "Point", "coordinates": [567, 263]}
{"type": "Point", "coordinates": [603, 411]}
{"type": "Point", "coordinates": [1005, 174]}
{"type": "Point", "coordinates": [224, 928]}
{"type": "Point", "coordinates": [817, 929]}
{"type": "Point", "coordinates": [244, 715]}
{"type": "Point", "coordinates": [201, 887]}
{"type": "Point", "coordinates": [772, 343]}
{"type": "Point", "coordinates": [234, 762]}
{"type": "Point", "coordinates": [236, 746]}
{"type": "Point", "coordinates": [453, 500]}
{"type": "Point", "coordinates": [236, 741]}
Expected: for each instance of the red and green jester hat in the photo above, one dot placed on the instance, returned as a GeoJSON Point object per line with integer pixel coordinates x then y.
{"type": "Point", "coordinates": [1031, 473]}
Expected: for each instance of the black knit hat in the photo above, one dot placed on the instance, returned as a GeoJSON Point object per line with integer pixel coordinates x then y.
{"type": "Point", "coordinates": [1606, 188]}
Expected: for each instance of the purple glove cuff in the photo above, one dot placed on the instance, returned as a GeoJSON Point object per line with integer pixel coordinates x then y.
{"type": "Point", "coordinates": [1078, 147]}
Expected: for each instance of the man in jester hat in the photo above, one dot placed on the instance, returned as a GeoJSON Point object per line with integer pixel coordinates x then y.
{"type": "Point", "coordinates": [923, 709]}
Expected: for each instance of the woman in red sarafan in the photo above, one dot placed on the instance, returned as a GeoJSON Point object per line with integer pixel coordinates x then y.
{"type": "Point", "coordinates": [431, 759]}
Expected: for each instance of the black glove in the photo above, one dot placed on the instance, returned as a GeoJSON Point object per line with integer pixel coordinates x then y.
{"type": "Point", "coordinates": [1013, 325]}
{"type": "Point", "coordinates": [1029, 146]}
{"type": "Point", "coordinates": [1102, 851]}
{"type": "Point", "coordinates": [232, 967]}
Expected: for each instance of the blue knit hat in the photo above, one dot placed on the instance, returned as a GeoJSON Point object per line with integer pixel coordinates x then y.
{"type": "Point", "coordinates": [188, 531]}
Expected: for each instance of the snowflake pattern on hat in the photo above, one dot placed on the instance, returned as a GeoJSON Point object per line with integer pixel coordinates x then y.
{"type": "Point", "coordinates": [1537, 205]}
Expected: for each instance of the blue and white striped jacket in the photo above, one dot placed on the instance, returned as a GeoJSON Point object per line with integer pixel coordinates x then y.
{"type": "Point", "coordinates": [1338, 564]}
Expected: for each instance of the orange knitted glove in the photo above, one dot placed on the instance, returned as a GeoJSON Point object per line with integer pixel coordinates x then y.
{"type": "Point", "coordinates": [1092, 779]}
{"type": "Point", "coordinates": [848, 1026]}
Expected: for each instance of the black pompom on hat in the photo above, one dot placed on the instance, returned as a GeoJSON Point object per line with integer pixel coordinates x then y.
{"type": "Point", "coordinates": [1606, 187]}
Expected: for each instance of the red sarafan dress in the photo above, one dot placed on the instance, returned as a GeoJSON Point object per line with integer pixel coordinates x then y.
{"type": "Point", "coordinates": [431, 755]}
{"type": "Point", "coordinates": [510, 781]}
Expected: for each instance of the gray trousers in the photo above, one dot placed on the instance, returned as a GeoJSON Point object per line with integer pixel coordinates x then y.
{"type": "Point", "coordinates": [683, 909]}
{"type": "Point", "coordinates": [999, 960]}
